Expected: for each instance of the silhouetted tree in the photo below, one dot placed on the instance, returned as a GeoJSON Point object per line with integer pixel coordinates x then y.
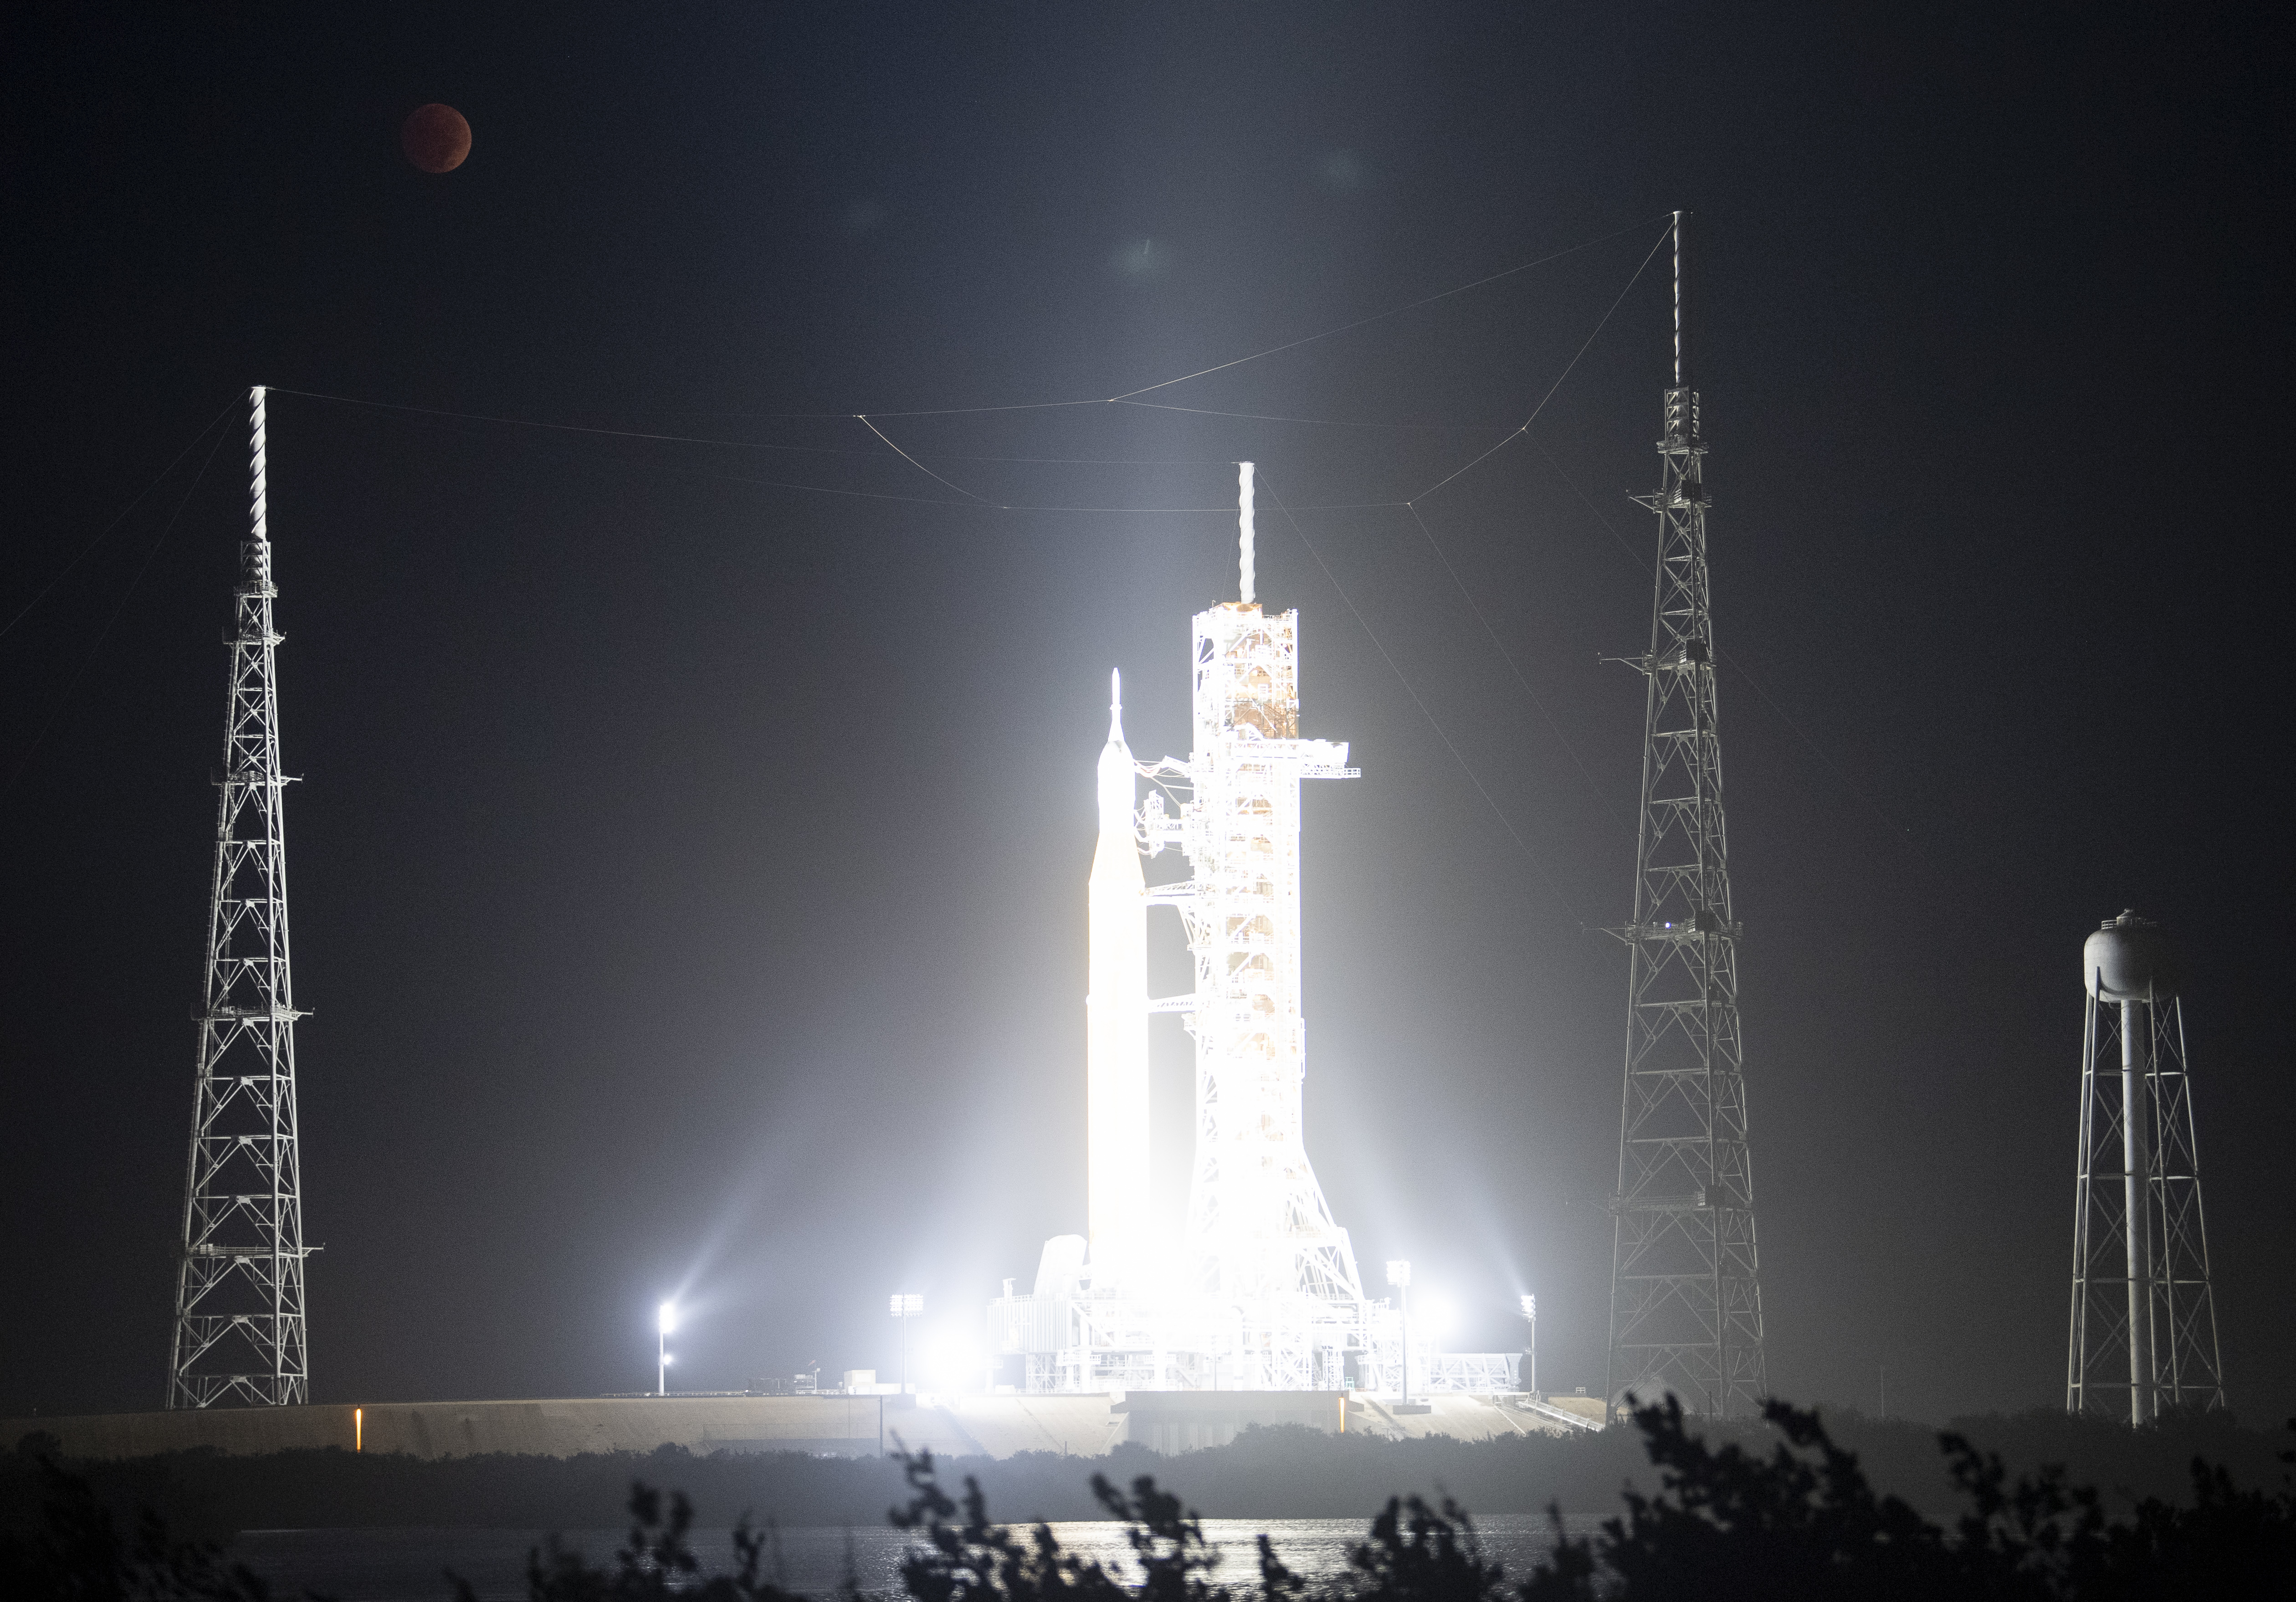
{"type": "Point", "coordinates": [79, 1553]}
{"type": "Point", "coordinates": [655, 1565]}
{"type": "Point", "coordinates": [1417, 1555]}
{"type": "Point", "coordinates": [1805, 1523]}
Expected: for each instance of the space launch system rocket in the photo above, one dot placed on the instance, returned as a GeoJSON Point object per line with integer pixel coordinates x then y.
{"type": "Point", "coordinates": [1116, 1053]}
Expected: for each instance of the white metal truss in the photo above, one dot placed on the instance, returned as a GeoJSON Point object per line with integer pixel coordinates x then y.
{"type": "Point", "coordinates": [1258, 1229]}
{"type": "Point", "coordinates": [239, 1325]}
{"type": "Point", "coordinates": [1685, 1296]}
{"type": "Point", "coordinates": [2156, 1286]}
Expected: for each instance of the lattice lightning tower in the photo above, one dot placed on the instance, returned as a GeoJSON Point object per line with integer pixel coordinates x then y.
{"type": "Point", "coordinates": [239, 1333]}
{"type": "Point", "coordinates": [1685, 1298]}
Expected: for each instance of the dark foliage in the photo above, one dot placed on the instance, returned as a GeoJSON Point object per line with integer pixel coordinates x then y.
{"type": "Point", "coordinates": [1728, 1523]}
{"type": "Point", "coordinates": [1805, 1523]}
{"type": "Point", "coordinates": [1413, 1554]}
{"type": "Point", "coordinates": [1289, 1472]}
{"type": "Point", "coordinates": [654, 1565]}
{"type": "Point", "coordinates": [78, 1554]}
{"type": "Point", "coordinates": [966, 1559]}
{"type": "Point", "coordinates": [1417, 1555]}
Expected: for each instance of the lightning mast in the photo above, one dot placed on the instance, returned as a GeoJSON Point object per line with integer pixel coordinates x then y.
{"type": "Point", "coordinates": [1686, 1297]}
{"type": "Point", "coordinates": [239, 1329]}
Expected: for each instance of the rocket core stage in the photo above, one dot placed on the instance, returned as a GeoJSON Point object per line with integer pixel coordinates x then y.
{"type": "Point", "coordinates": [1116, 1005]}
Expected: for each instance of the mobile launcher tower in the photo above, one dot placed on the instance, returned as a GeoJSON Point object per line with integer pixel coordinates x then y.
{"type": "Point", "coordinates": [1262, 1292]}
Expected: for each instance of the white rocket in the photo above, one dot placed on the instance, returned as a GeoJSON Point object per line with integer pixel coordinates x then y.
{"type": "Point", "coordinates": [1116, 1009]}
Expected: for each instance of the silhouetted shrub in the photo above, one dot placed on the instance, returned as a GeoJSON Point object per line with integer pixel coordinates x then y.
{"type": "Point", "coordinates": [1804, 1523]}
{"type": "Point", "coordinates": [77, 1552]}
{"type": "Point", "coordinates": [656, 1564]}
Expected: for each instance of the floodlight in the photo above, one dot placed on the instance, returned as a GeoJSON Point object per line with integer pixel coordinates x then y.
{"type": "Point", "coordinates": [667, 1319]}
{"type": "Point", "coordinates": [1398, 1272]}
{"type": "Point", "coordinates": [905, 1305]}
{"type": "Point", "coordinates": [1531, 1308]}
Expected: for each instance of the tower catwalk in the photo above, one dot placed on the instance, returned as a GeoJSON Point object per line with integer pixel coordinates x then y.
{"type": "Point", "coordinates": [2144, 1339]}
{"type": "Point", "coordinates": [1686, 1299]}
{"type": "Point", "coordinates": [238, 1334]}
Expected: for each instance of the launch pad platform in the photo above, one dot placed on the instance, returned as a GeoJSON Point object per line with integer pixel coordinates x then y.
{"type": "Point", "coordinates": [1087, 1425]}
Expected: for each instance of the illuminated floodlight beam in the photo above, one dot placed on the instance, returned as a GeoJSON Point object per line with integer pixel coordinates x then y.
{"type": "Point", "coordinates": [1398, 1275]}
{"type": "Point", "coordinates": [905, 1305]}
{"type": "Point", "coordinates": [665, 1321]}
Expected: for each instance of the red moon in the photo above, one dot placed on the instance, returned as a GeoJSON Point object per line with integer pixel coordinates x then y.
{"type": "Point", "coordinates": [435, 137]}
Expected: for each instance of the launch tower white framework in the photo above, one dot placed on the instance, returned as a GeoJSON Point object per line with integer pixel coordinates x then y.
{"type": "Point", "coordinates": [239, 1332]}
{"type": "Point", "coordinates": [1262, 1292]}
{"type": "Point", "coordinates": [2143, 1338]}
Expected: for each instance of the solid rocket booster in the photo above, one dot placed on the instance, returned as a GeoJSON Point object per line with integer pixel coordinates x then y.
{"type": "Point", "coordinates": [1116, 1009]}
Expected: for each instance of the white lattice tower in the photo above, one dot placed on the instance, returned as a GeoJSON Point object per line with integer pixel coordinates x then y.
{"type": "Point", "coordinates": [1261, 1236]}
{"type": "Point", "coordinates": [239, 1325]}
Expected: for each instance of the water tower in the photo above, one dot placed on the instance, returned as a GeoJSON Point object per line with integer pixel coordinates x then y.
{"type": "Point", "coordinates": [2144, 1339]}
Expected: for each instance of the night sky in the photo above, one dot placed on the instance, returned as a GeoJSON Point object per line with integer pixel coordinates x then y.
{"type": "Point", "coordinates": [687, 877]}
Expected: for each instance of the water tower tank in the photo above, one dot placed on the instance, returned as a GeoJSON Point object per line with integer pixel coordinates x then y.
{"type": "Point", "coordinates": [2129, 959]}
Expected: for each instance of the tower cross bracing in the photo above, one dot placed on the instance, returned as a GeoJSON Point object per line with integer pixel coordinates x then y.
{"type": "Point", "coordinates": [239, 1326]}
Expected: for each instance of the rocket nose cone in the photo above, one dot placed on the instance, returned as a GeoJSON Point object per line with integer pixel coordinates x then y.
{"type": "Point", "coordinates": [1115, 775]}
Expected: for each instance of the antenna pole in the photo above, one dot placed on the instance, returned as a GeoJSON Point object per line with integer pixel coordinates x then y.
{"type": "Point", "coordinates": [1243, 525]}
{"type": "Point", "coordinates": [1681, 320]}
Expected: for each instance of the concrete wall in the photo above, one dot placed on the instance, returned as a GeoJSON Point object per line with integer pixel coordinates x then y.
{"type": "Point", "coordinates": [1459, 1415]}
{"type": "Point", "coordinates": [949, 1427]}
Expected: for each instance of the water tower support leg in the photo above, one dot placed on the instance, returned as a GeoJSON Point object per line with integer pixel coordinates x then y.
{"type": "Point", "coordinates": [2136, 1036]}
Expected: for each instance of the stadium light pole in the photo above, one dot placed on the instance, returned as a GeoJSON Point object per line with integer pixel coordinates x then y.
{"type": "Point", "coordinates": [1530, 1312]}
{"type": "Point", "coordinates": [1399, 1275]}
{"type": "Point", "coordinates": [665, 1321]}
{"type": "Point", "coordinates": [905, 1307]}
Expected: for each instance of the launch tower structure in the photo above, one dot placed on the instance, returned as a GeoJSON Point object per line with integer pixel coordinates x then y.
{"type": "Point", "coordinates": [239, 1328]}
{"type": "Point", "coordinates": [1685, 1296]}
{"type": "Point", "coordinates": [2143, 1336]}
{"type": "Point", "coordinates": [1261, 1237]}
{"type": "Point", "coordinates": [1258, 1290]}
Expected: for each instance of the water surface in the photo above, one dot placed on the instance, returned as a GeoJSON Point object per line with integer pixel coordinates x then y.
{"type": "Point", "coordinates": [411, 1565]}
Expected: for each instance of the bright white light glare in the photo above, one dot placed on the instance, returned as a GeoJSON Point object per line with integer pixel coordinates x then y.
{"type": "Point", "coordinates": [907, 1306]}
{"type": "Point", "coordinates": [1433, 1314]}
{"type": "Point", "coordinates": [1531, 1308]}
{"type": "Point", "coordinates": [666, 1360]}
{"type": "Point", "coordinates": [1398, 1272]}
{"type": "Point", "coordinates": [950, 1364]}
{"type": "Point", "coordinates": [667, 1319]}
